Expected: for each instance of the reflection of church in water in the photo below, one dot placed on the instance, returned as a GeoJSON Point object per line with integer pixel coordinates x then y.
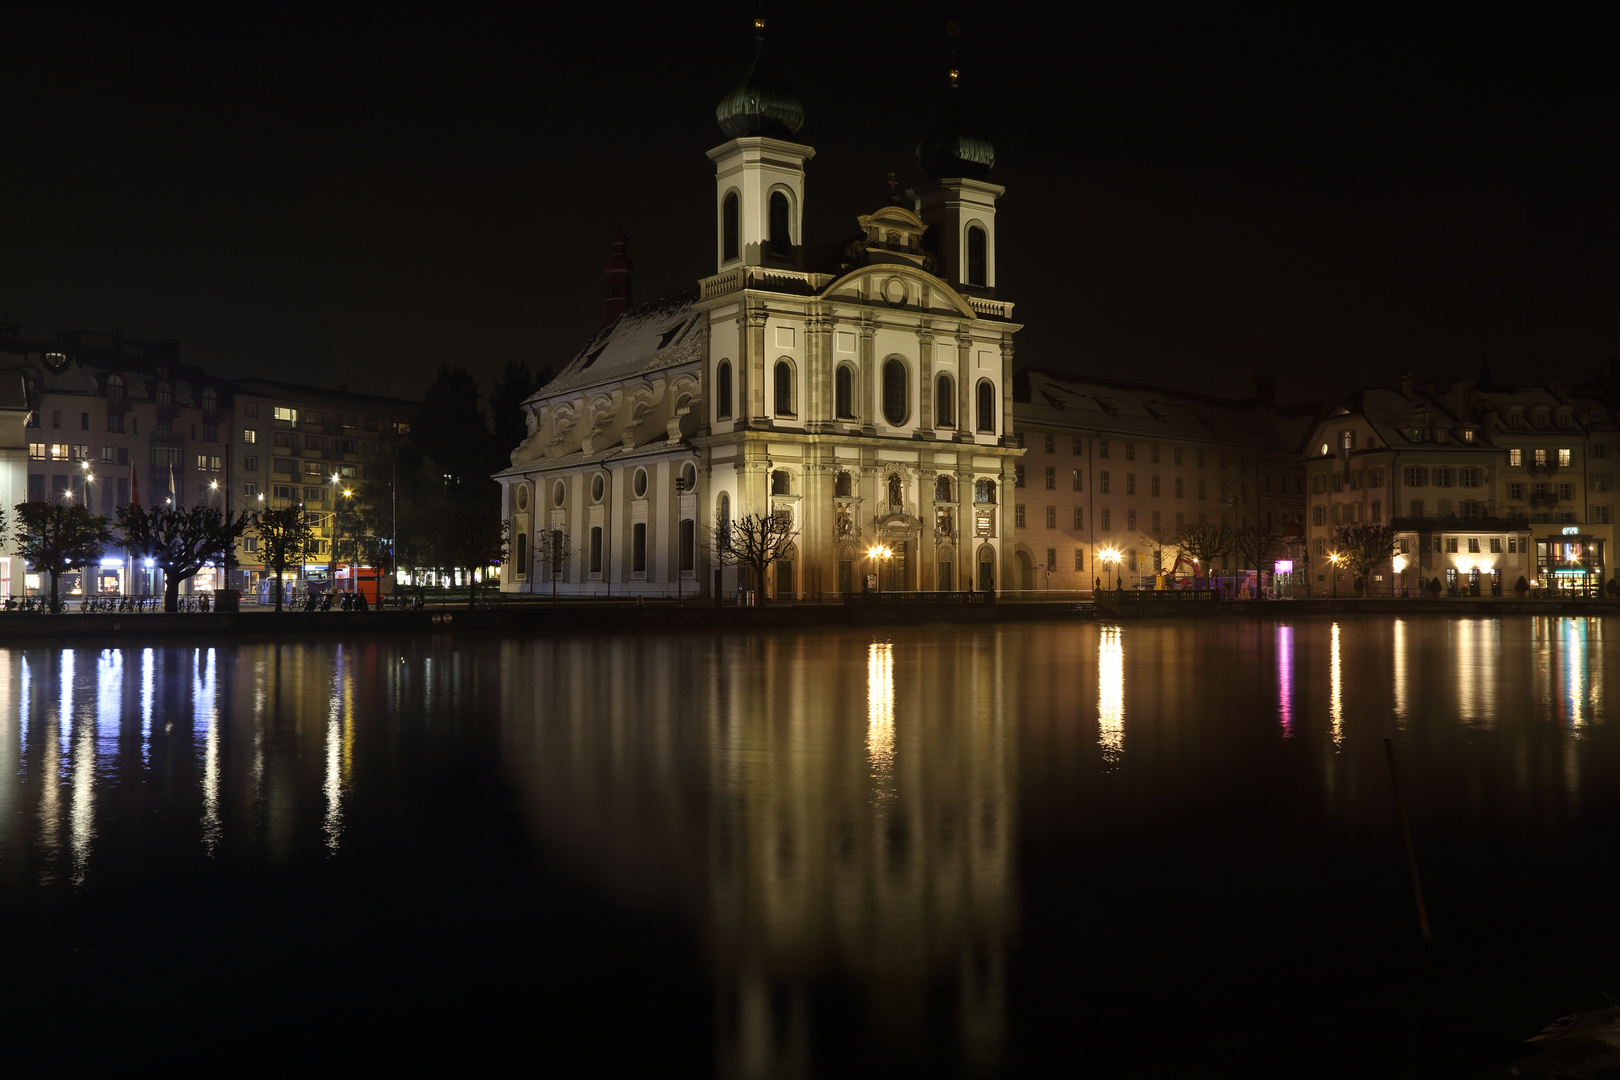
{"type": "Point", "coordinates": [861, 388]}
{"type": "Point", "coordinates": [843, 824]}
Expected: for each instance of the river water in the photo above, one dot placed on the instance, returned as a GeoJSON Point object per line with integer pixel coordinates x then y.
{"type": "Point", "coordinates": [1008, 850]}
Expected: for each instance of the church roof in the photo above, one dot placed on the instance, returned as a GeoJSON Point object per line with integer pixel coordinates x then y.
{"type": "Point", "coordinates": [658, 334]}
{"type": "Point", "coordinates": [762, 104]}
{"type": "Point", "coordinates": [955, 148]}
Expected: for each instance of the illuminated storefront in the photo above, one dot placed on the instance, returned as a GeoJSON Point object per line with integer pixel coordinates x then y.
{"type": "Point", "coordinates": [1570, 560]}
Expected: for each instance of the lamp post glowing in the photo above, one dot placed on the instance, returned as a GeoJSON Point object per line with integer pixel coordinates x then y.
{"type": "Point", "coordinates": [879, 553]}
{"type": "Point", "coordinates": [1333, 557]}
{"type": "Point", "coordinates": [1111, 557]}
{"type": "Point", "coordinates": [1399, 564]}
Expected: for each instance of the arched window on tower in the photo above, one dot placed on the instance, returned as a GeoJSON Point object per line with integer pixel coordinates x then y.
{"type": "Point", "coordinates": [943, 490]}
{"type": "Point", "coordinates": [895, 392]}
{"type": "Point", "coordinates": [844, 392]}
{"type": "Point", "coordinates": [722, 392]}
{"type": "Point", "coordinates": [784, 389]}
{"type": "Point", "coordinates": [976, 256]}
{"type": "Point", "coordinates": [781, 225]}
{"type": "Point", "coordinates": [945, 402]}
{"type": "Point", "coordinates": [781, 482]}
{"type": "Point", "coordinates": [728, 227]}
{"type": "Point", "coordinates": [844, 485]}
{"type": "Point", "coordinates": [987, 407]}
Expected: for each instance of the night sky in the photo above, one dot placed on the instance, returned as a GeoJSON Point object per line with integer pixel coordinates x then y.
{"type": "Point", "coordinates": [360, 196]}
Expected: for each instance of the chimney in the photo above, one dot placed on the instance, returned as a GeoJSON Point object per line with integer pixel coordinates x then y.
{"type": "Point", "coordinates": [619, 270]}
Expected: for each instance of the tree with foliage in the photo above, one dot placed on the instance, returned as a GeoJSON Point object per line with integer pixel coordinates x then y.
{"type": "Point", "coordinates": [506, 398]}
{"type": "Point", "coordinates": [452, 433]}
{"type": "Point", "coordinates": [52, 537]}
{"type": "Point", "coordinates": [754, 541]}
{"type": "Point", "coordinates": [1258, 544]}
{"type": "Point", "coordinates": [179, 540]}
{"type": "Point", "coordinates": [1362, 547]}
{"type": "Point", "coordinates": [283, 534]}
{"type": "Point", "coordinates": [472, 539]}
{"type": "Point", "coordinates": [1204, 543]}
{"type": "Point", "coordinates": [553, 549]}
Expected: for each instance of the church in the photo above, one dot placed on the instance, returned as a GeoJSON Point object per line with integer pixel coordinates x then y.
{"type": "Point", "coordinates": [858, 394]}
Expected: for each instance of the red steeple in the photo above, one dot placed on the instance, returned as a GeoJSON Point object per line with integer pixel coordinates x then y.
{"type": "Point", "coordinates": [619, 270]}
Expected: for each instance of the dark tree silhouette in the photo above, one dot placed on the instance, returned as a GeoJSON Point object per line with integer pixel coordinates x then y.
{"type": "Point", "coordinates": [52, 538]}
{"type": "Point", "coordinates": [180, 541]}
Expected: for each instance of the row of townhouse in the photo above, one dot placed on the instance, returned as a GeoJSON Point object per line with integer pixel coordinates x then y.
{"type": "Point", "coordinates": [1483, 486]}
{"type": "Point", "coordinates": [109, 421]}
{"type": "Point", "coordinates": [1113, 470]}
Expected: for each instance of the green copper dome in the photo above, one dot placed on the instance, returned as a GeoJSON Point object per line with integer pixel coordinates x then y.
{"type": "Point", "coordinates": [955, 148]}
{"type": "Point", "coordinates": [761, 104]}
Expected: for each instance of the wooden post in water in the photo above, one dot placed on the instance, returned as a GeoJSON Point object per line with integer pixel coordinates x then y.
{"type": "Point", "coordinates": [1411, 853]}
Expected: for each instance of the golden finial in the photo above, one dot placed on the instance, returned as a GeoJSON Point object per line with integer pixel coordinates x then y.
{"type": "Point", "coordinates": [759, 28]}
{"type": "Point", "coordinates": [954, 32]}
{"type": "Point", "coordinates": [893, 185]}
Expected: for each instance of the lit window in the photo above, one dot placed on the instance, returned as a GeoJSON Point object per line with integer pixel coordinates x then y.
{"type": "Point", "coordinates": [289, 415]}
{"type": "Point", "coordinates": [249, 435]}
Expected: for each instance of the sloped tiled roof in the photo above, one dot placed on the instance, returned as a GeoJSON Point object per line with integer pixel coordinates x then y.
{"type": "Point", "coordinates": [655, 335]}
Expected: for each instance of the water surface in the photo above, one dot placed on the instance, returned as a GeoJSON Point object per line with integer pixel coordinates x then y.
{"type": "Point", "coordinates": [1117, 850]}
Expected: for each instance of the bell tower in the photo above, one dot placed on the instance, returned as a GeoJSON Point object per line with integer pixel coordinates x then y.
{"type": "Point", "coordinates": [759, 173]}
{"type": "Point", "coordinates": [957, 201]}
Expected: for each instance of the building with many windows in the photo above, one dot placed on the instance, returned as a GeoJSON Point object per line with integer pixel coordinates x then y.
{"type": "Point", "coordinates": [1484, 487]}
{"type": "Point", "coordinates": [111, 420]}
{"type": "Point", "coordinates": [858, 389]}
{"type": "Point", "coordinates": [1112, 467]}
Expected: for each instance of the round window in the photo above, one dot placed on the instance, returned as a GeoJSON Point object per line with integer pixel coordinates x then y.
{"type": "Point", "coordinates": [559, 492]}
{"type": "Point", "coordinates": [641, 482]}
{"type": "Point", "coordinates": [689, 474]}
{"type": "Point", "coordinates": [523, 497]}
{"type": "Point", "coordinates": [597, 487]}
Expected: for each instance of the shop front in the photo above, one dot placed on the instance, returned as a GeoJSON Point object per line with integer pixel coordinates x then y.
{"type": "Point", "coordinates": [1570, 562]}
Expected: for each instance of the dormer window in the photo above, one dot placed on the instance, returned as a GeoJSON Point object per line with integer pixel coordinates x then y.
{"type": "Point", "coordinates": [1540, 420]}
{"type": "Point", "coordinates": [210, 401]}
{"type": "Point", "coordinates": [1468, 436]}
{"type": "Point", "coordinates": [163, 395]}
{"type": "Point", "coordinates": [115, 389]}
{"type": "Point", "coordinates": [1563, 418]}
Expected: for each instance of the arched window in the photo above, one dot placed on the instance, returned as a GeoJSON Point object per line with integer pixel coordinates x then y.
{"type": "Point", "coordinates": [942, 490]}
{"type": "Point", "coordinates": [987, 407]}
{"type": "Point", "coordinates": [522, 566]}
{"type": "Point", "coordinates": [781, 225]}
{"type": "Point", "coordinates": [115, 388]}
{"type": "Point", "coordinates": [895, 391]}
{"type": "Point", "coordinates": [976, 261]}
{"type": "Point", "coordinates": [728, 227]}
{"type": "Point", "coordinates": [844, 486]}
{"type": "Point", "coordinates": [722, 521]}
{"type": "Point", "coordinates": [781, 483]}
{"type": "Point", "coordinates": [596, 549]}
{"type": "Point", "coordinates": [984, 491]}
{"type": "Point", "coordinates": [722, 395]}
{"type": "Point", "coordinates": [844, 393]}
{"type": "Point", "coordinates": [210, 401]}
{"type": "Point", "coordinates": [163, 395]}
{"type": "Point", "coordinates": [945, 402]}
{"type": "Point", "coordinates": [784, 388]}
{"type": "Point", "coordinates": [688, 545]}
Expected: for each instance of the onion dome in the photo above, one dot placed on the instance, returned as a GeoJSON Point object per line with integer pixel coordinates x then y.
{"type": "Point", "coordinates": [761, 104]}
{"type": "Point", "coordinates": [955, 148]}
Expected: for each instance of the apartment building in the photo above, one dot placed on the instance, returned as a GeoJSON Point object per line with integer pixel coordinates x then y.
{"type": "Point", "coordinates": [1115, 469]}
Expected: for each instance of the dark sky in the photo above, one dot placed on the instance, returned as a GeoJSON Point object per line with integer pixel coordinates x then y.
{"type": "Point", "coordinates": [340, 195]}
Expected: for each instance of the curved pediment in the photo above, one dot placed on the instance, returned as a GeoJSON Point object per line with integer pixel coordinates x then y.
{"type": "Point", "coordinates": [898, 286]}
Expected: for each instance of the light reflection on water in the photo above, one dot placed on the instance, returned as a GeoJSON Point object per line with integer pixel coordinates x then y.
{"type": "Point", "coordinates": [817, 809]}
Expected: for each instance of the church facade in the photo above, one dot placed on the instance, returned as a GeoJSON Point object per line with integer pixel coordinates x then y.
{"type": "Point", "coordinates": [861, 391]}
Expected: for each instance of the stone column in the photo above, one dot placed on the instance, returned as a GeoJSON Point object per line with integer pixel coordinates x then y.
{"type": "Point", "coordinates": [925, 379]}
{"type": "Point", "coordinates": [818, 374]}
{"type": "Point", "coordinates": [1008, 436]}
{"type": "Point", "coordinates": [756, 367]}
{"type": "Point", "coordinates": [868, 374]}
{"type": "Point", "coordinates": [966, 422]}
{"type": "Point", "coordinates": [927, 543]}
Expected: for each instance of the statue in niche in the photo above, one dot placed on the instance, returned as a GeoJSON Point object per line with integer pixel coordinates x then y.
{"type": "Point", "coordinates": [943, 522]}
{"type": "Point", "coordinates": [844, 524]}
{"type": "Point", "coordinates": [896, 497]}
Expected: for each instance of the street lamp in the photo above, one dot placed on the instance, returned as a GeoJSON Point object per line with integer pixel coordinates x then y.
{"type": "Point", "coordinates": [1111, 557]}
{"type": "Point", "coordinates": [1333, 557]}
{"type": "Point", "coordinates": [876, 553]}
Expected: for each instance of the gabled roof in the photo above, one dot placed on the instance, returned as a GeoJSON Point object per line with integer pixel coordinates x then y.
{"type": "Point", "coordinates": [1155, 412]}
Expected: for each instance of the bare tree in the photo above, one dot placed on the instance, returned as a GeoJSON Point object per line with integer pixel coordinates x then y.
{"type": "Point", "coordinates": [1257, 544]}
{"type": "Point", "coordinates": [754, 541]}
{"type": "Point", "coordinates": [1362, 547]}
{"type": "Point", "coordinates": [1163, 546]}
{"type": "Point", "coordinates": [554, 550]}
{"type": "Point", "coordinates": [1204, 543]}
{"type": "Point", "coordinates": [180, 541]}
